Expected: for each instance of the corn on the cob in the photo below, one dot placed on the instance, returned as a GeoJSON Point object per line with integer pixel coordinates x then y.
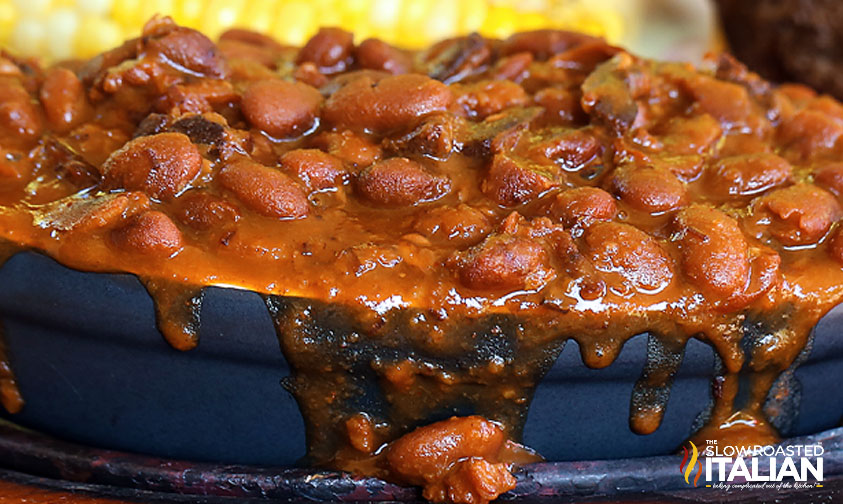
{"type": "Point", "coordinates": [59, 29]}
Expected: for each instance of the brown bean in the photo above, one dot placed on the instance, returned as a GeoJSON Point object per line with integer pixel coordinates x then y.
{"type": "Point", "coordinates": [398, 101]}
{"type": "Point", "coordinates": [361, 433]}
{"type": "Point", "coordinates": [830, 176]}
{"type": "Point", "coordinates": [427, 453]}
{"type": "Point", "coordinates": [472, 481]}
{"type": "Point", "coordinates": [282, 109]}
{"type": "Point", "coordinates": [161, 165]}
{"type": "Point", "coordinates": [511, 182]}
{"type": "Point", "coordinates": [650, 189]}
{"type": "Point", "coordinates": [18, 116]}
{"type": "Point", "coordinates": [63, 97]}
{"type": "Point", "coordinates": [749, 174]}
{"type": "Point", "coordinates": [504, 262]}
{"type": "Point", "coordinates": [376, 54]}
{"type": "Point", "coordinates": [514, 68]}
{"type": "Point", "coordinates": [189, 49]}
{"type": "Point", "coordinates": [151, 233]}
{"type": "Point", "coordinates": [562, 106]}
{"type": "Point", "coordinates": [694, 135]}
{"type": "Point", "coordinates": [726, 101]}
{"type": "Point", "coordinates": [352, 148]}
{"type": "Point", "coordinates": [798, 215]}
{"type": "Point", "coordinates": [809, 132]}
{"type": "Point", "coordinates": [461, 225]}
{"type": "Point", "coordinates": [621, 248]}
{"type": "Point", "coordinates": [330, 49]}
{"type": "Point", "coordinates": [483, 99]}
{"type": "Point", "coordinates": [265, 190]}
{"type": "Point", "coordinates": [714, 251]}
{"type": "Point", "coordinates": [570, 149]}
{"type": "Point", "coordinates": [317, 170]}
{"type": "Point", "coordinates": [544, 43]}
{"type": "Point", "coordinates": [400, 182]}
{"type": "Point", "coordinates": [203, 211]}
{"type": "Point", "coordinates": [583, 206]}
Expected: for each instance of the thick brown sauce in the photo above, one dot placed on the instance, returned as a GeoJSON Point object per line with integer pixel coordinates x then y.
{"type": "Point", "coordinates": [443, 240]}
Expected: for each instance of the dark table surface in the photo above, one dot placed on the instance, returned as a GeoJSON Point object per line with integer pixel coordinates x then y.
{"type": "Point", "coordinates": [18, 488]}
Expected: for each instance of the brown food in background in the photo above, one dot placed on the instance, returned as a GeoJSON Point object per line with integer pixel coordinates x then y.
{"type": "Point", "coordinates": [788, 40]}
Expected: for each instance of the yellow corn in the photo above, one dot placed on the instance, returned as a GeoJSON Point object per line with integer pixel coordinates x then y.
{"type": "Point", "coordinates": [60, 29]}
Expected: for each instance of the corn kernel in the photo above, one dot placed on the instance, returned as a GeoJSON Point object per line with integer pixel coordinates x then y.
{"type": "Point", "coordinates": [32, 7]}
{"type": "Point", "coordinates": [62, 25]}
{"type": "Point", "coordinates": [258, 15]}
{"type": "Point", "coordinates": [472, 15]}
{"type": "Point", "coordinates": [94, 7]}
{"type": "Point", "coordinates": [219, 15]}
{"type": "Point", "coordinates": [95, 35]}
{"type": "Point", "coordinates": [295, 22]}
{"type": "Point", "coordinates": [28, 36]}
{"type": "Point", "coordinates": [127, 13]}
{"type": "Point", "coordinates": [8, 17]}
{"type": "Point", "coordinates": [149, 8]}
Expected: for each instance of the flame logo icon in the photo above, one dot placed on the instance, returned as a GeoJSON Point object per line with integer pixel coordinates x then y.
{"type": "Point", "coordinates": [694, 462]}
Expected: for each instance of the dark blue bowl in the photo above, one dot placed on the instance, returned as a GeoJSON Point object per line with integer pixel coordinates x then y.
{"type": "Point", "coordinates": [94, 370]}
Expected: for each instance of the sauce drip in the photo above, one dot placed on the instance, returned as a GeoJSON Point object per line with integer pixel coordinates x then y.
{"type": "Point", "coordinates": [10, 396]}
{"type": "Point", "coordinates": [177, 311]}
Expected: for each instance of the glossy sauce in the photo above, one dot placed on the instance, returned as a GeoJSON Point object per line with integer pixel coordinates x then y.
{"type": "Point", "coordinates": [442, 222]}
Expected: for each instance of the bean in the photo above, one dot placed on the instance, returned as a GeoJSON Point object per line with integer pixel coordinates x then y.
{"type": "Point", "coordinates": [583, 206]}
{"type": "Point", "coordinates": [650, 189]}
{"type": "Point", "coordinates": [280, 108]}
{"type": "Point", "coordinates": [798, 215]}
{"type": "Point", "coordinates": [361, 433]}
{"type": "Point", "coordinates": [152, 232]}
{"type": "Point", "coordinates": [330, 50]}
{"type": "Point", "coordinates": [350, 147]}
{"type": "Point", "coordinates": [18, 116]}
{"type": "Point", "coordinates": [63, 97]}
{"type": "Point", "coordinates": [727, 102]}
{"type": "Point", "coordinates": [808, 133]}
{"type": "Point", "coordinates": [714, 251]}
{"type": "Point", "coordinates": [511, 183]}
{"type": "Point", "coordinates": [378, 55]}
{"type": "Point", "coordinates": [189, 49]}
{"type": "Point", "coordinates": [749, 174]}
{"type": "Point", "coordinates": [203, 211]}
{"type": "Point", "coordinates": [504, 262]}
{"type": "Point", "coordinates": [621, 248]}
{"type": "Point", "coordinates": [472, 481]}
{"type": "Point", "coordinates": [317, 170]}
{"type": "Point", "coordinates": [514, 68]}
{"type": "Point", "coordinates": [562, 106]}
{"type": "Point", "coordinates": [399, 182]}
{"type": "Point", "coordinates": [694, 135]}
{"type": "Point", "coordinates": [161, 165]}
{"type": "Point", "coordinates": [483, 99]}
{"type": "Point", "coordinates": [265, 190]}
{"type": "Point", "coordinates": [571, 149]}
{"type": "Point", "coordinates": [399, 101]}
{"type": "Point", "coordinates": [830, 176]}
{"type": "Point", "coordinates": [543, 43]}
{"type": "Point", "coordinates": [425, 454]}
{"type": "Point", "coordinates": [461, 225]}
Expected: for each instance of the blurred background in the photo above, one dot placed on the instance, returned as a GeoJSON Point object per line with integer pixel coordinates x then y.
{"type": "Point", "coordinates": [61, 29]}
{"type": "Point", "coordinates": [783, 40]}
